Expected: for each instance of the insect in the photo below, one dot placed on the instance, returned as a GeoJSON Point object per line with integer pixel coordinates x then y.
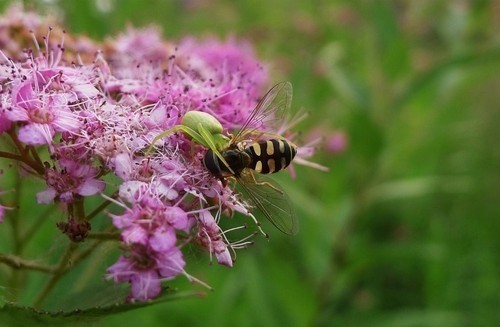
{"type": "Point", "coordinates": [250, 150]}
{"type": "Point", "coordinates": [265, 156]}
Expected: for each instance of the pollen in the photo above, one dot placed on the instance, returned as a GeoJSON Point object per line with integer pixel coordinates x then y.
{"type": "Point", "coordinates": [41, 116]}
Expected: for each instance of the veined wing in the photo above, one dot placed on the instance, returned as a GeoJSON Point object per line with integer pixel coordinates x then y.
{"type": "Point", "coordinates": [269, 112]}
{"type": "Point", "coordinates": [270, 198]}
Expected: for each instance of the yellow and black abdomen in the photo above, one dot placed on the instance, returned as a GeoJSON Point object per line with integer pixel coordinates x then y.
{"type": "Point", "coordinates": [271, 156]}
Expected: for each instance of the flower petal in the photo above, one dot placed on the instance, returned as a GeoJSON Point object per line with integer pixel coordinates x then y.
{"type": "Point", "coordinates": [36, 134]}
{"type": "Point", "coordinates": [163, 240]}
{"type": "Point", "coordinates": [146, 285]}
{"type": "Point", "coordinates": [46, 196]}
{"type": "Point", "coordinates": [91, 187]}
{"type": "Point", "coordinates": [171, 263]}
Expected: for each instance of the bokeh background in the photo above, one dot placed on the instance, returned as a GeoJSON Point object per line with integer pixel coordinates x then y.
{"type": "Point", "coordinates": [405, 228]}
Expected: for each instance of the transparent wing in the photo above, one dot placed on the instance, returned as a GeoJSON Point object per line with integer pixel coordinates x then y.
{"type": "Point", "coordinates": [269, 112]}
{"type": "Point", "coordinates": [270, 198]}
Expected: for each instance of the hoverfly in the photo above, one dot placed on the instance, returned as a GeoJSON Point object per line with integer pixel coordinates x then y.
{"type": "Point", "coordinates": [249, 150]}
{"type": "Point", "coordinates": [252, 151]}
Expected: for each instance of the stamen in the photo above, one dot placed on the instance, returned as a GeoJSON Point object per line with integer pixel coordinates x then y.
{"type": "Point", "coordinates": [311, 164]}
{"type": "Point", "coordinates": [35, 42]}
{"type": "Point", "coordinates": [258, 225]}
{"type": "Point", "coordinates": [115, 202]}
{"type": "Point", "coordinates": [193, 279]}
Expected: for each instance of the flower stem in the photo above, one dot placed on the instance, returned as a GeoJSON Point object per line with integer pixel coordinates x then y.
{"type": "Point", "coordinates": [83, 254]}
{"type": "Point", "coordinates": [97, 210]}
{"type": "Point", "coordinates": [20, 263]}
{"type": "Point", "coordinates": [19, 146]}
{"type": "Point", "coordinates": [36, 164]}
{"type": "Point", "coordinates": [36, 157]}
{"type": "Point", "coordinates": [79, 209]}
{"type": "Point", "coordinates": [9, 155]}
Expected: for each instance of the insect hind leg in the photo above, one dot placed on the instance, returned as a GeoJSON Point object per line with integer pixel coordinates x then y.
{"type": "Point", "coordinates": [254, 180]}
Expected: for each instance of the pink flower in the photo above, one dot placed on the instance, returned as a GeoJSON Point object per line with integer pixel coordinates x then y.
{"type": "Point", "coordinates": [138, 178]}
{"type": "Point", "coordinates": [151, 223]}
{"type": "Point", "coordinates": [142, 46]}
{"type": "Point", "coordinates": [233, 78]}
{"type": "Point", "coordinates": [68, 181]}
{"type": "Point", "coordinates": [210, 237]}
{"type": "Point", "coordinates": [98, 117]}
{"type": "Point", "coordinates": [141, 271]}
{"type": "Point", "coordinates": [337, 142]}
{"type": "Point", "coordinates": [145, 269]}
{"type": "Point", "coordinates": [45, 100]}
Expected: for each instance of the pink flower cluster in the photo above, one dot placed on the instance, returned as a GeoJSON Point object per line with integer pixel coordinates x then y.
{"type": "Point", "coordinates": [97, 117]}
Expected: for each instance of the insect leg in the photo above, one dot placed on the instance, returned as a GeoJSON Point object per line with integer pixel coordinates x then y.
{"type": "Point", "coordinates": [209, 140]}
{"type": "Point", "coordinates": [263, 183]}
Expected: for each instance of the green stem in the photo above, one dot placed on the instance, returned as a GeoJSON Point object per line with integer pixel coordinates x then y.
{"type": "Point", "coordinates": [19, 145]}
{"type": "Point", "coordinates": [9, 155]}
{"type": "Point", "coordinates": [24, 157]}
{"type": "Point", "coordinates": [97, 210]}
{"type": "Point", "coordinates": [83, 254]}
{"type": "Point", "coordinates": [20, 263]}
{"type": "Point", "coordinates": [79, 209]}
{"type": "Point", "coordinates": [36, 157]}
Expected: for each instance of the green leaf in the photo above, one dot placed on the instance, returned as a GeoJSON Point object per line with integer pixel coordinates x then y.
{"type": "Point", "coordinates": [392, 45]}
{"type": "Point", "coordinates": [15, 315]}
{"type": "Point", "coordinates": [349, 88]}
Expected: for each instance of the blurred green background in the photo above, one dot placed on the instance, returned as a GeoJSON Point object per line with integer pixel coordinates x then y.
{"type": "Point", "coordinates": [404, 229]}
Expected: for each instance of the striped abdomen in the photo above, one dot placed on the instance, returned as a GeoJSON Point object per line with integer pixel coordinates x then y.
{"type": "Point", "coordinates": [271, 156]}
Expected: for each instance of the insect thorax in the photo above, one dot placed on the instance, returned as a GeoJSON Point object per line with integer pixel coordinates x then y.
{"type": "Point", "coordinates": [236, 159]}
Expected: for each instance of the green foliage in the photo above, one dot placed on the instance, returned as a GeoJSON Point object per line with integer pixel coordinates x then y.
{"type": "Point", "coordinates": [404, 229]}
{"type": "Point", "coordinates": [13, 315]}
